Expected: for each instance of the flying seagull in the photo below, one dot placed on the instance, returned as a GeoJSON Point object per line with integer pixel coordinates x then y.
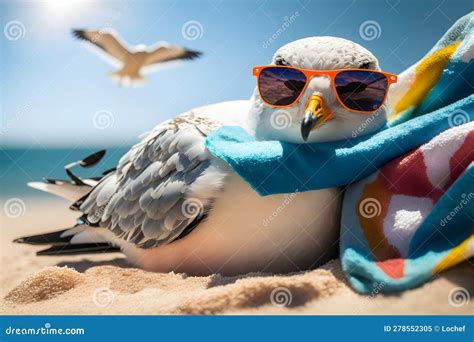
{"type": "Point", "coordinates": [171, 206]}
{"type": "Point", "coordinates": [132, 60]}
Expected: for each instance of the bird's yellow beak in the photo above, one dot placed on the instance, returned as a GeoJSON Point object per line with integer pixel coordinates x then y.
{"type": "Point", "coordinates": [315, 114]}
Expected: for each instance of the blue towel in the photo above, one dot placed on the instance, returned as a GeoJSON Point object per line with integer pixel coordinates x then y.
{"type": "Point", "coordinates": [272, 167]}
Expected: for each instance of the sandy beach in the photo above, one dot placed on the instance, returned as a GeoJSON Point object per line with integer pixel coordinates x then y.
{"type": "Point", "coordinates": [106, 284]}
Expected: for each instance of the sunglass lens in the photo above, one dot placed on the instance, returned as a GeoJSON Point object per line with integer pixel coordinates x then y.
{"type": "Point", "coordinates": [281, 86]}
{"type": "Point", "coordinates": [361, 90]}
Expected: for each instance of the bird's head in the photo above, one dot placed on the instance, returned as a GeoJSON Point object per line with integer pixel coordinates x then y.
{"type": "Point", "coordinates": [317, 115]}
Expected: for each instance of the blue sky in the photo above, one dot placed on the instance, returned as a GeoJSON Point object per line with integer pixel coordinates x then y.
{"type": "Point", "coordinates": [51, 86]}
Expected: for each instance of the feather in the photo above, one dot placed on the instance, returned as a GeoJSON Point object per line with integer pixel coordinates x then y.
{"type": "Point", "coordinates": [86, 248]}
{"type": "Point", "coordinates": [164, 53]}
{"type": "Point", "coordinates": [143, 201]}
{"type": "Point", "coordinates": [70, 191]}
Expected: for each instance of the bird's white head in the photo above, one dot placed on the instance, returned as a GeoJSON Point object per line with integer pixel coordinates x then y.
{"type": "Point", "coordinates": [294, 123]}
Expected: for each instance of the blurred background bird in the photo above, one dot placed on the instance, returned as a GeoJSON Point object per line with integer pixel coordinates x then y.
{"type": "Point", "coordinates": [132, 60]}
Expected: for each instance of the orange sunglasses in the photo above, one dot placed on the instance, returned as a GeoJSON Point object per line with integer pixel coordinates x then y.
{"type": "Point", "coordinates": [357, 90]}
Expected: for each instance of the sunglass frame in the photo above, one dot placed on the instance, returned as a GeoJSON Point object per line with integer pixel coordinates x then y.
{"type": "Point", "coordinates": [309, 74]}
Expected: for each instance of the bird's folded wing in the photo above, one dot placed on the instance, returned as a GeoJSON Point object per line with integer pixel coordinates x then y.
{"type": "Point", "coordinates": [107, 40]}
{"type": "Point", "coordinates": [162, 186]}
{"type": "Point", "coordinates": [166, 53]}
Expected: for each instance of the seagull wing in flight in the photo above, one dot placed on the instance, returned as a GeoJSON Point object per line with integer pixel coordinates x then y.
{"type": "Point", "coordinates": [166, 53]}
{"type": "Point", "coordinates": [108, 41]}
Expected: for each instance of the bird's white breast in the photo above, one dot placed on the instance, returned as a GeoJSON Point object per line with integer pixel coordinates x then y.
{"type": "Point", "coordinates": [245, 232]}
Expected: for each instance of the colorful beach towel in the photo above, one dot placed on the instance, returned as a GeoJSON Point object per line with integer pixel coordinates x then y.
{"type": "Point", "coordinates": [414, 217]}
{"type": "Point", "coordinates": [409, 206]}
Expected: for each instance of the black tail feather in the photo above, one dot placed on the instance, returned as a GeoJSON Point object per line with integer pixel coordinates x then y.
{"type": "Point", "coordinates": [92, 159]}
{"type": "Point", "coordinates": [53, 238]}
{"type": "Point", "coordinates": [77, 249]}
{"type": "Point", "coordinates": [88, 161]}
{"type": "Point", "coordinates": [59, 245]}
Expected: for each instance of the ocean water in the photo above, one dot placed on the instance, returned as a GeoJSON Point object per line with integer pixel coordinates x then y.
{"type": "Point", "coordinates": [19, 166]}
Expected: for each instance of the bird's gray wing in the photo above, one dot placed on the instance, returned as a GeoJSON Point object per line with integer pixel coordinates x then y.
{"type": "Point", "coordinates": [107, 40]}
{"type": "Point", "coordinates": [164, 53]}
{"type": "Point", "coordinates": [161, 186]}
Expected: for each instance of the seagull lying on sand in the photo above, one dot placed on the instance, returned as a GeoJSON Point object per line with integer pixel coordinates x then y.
{"type": "Point", "coordinates": [171, 206]}
{"type": "Point", "coordinates": [132, 59]}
